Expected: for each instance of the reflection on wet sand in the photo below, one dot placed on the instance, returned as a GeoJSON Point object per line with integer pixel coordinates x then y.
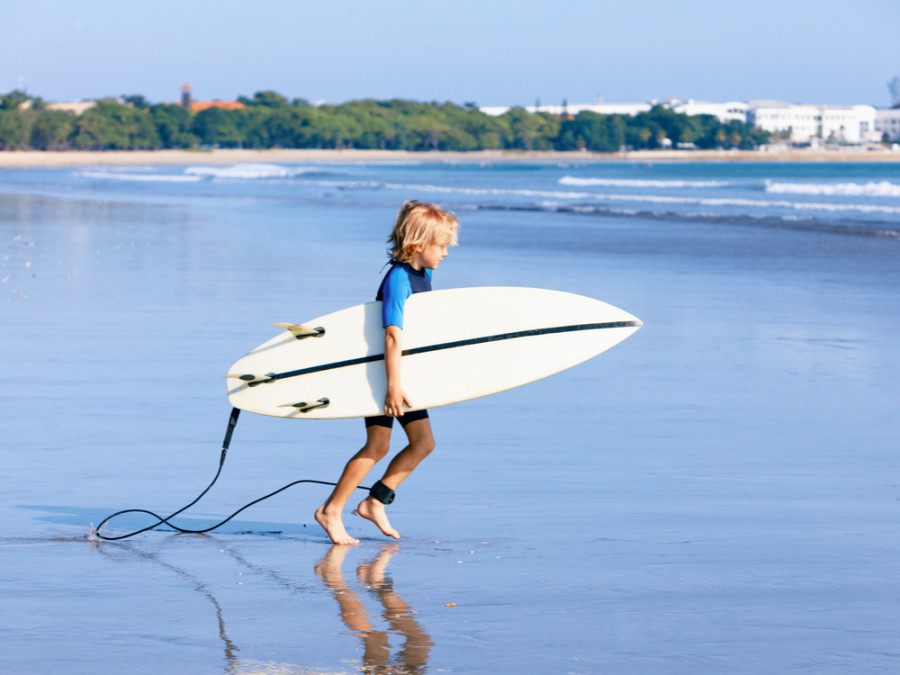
{"type": "Point", "coordinates": [112, 550]}
{"type": "Point", "coordinates": [413, 656]}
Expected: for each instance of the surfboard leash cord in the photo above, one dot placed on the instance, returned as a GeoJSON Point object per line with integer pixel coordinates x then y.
{"type": "Point", "coordinates": [160, 520]}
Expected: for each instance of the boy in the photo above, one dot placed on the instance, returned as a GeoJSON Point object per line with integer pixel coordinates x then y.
{"type": "Point", "coordinates": [419, 241]}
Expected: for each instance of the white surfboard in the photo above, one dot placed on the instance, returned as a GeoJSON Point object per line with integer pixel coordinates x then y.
{"type": "Point", "coordinates": [458, 344]}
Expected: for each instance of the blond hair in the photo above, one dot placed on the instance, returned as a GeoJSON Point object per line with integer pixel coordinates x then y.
{"type": "Point", "coordinates": [421, 224]}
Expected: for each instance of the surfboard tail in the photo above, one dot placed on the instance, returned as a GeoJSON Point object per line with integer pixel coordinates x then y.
{"type": "Point", "coordinates": [304, 406]}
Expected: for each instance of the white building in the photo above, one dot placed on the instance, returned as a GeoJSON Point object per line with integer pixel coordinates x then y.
{"type": "Point", "coordinates": [888, 122]}
{"type": "Point", "coordinates": [575, 108]}
{"type": "Point", "coordinates": [76, 107]}
{"type": "Point", "coordinates": [809, 123]}
{"type": "Point", "coordinates": [776, 117]}
{"type": "Point", "coordinates": [733, 111]}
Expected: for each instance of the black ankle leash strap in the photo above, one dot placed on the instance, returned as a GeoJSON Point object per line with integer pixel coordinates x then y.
{"type": "Point", "coordinates": [382, 493]}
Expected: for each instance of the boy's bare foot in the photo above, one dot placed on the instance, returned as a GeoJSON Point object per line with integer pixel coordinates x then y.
{"type": "Point", "coordinates": [334, 527]}
{"type": "Point", "coordinates": [372, 509]}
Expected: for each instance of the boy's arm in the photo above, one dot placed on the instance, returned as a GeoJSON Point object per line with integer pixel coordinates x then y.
{"type": "Point", "coordinates": [395, 398]}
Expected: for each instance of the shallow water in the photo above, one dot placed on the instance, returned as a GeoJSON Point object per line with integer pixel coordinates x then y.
{"type": "Point", "coordinates": [719, 493]}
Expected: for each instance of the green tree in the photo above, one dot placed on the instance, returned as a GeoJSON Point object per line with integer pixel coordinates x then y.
{"type": "Point", "coordinates": [14, 130]}
{"type": "Point", "coordinates": [372, 122]}
{"type": "Point", "coordinates": [113, 126]}
{"type": "Point", "coordinates": [217, 127]}
{"type": "Point", "coordinates": [637, 136]}
{"type": "Point", "coordinates": [13, 100]}
{"type": "Point", "coordinates": [721, 137]}
{"type": "Point", "coordinates": [173, 125]}
{"type": "Point", "coordinates": [287, 127]}
{"type": "Point", "coordinates": [51, 130]}
{"type": "Point", "coordinates": [270, 120]}
{"type": "Point", "coordinates": [267, 99]}
{"type": "Point", "coordinates": [523, 126]}
{"type": "Point", "coordinates": [592, 131]}
{"type": "Point", "coordinates": [136, 101]}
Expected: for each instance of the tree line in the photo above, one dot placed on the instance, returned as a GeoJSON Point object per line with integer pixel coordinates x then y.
{"type": "Point", "coordinates": [269, 120]}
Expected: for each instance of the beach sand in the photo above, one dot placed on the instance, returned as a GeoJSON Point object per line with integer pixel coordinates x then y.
{"type": "Point", "coordinates": [174, 157]}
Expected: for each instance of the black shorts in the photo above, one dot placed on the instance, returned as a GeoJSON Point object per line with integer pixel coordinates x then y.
{"type": "Point", "coordinates": [388, 422]}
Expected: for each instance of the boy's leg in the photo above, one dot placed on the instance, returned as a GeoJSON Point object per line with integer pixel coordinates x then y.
{"type": "Point", "coordinates": [378, 439]}
{"type": "Point", "coordinates": [421, 443]}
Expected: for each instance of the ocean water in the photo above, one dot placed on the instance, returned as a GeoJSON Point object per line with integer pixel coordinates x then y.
{"type": "Point", "coordinates": [719, 493]}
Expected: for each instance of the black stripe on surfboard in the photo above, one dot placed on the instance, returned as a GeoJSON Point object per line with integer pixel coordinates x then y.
{"type": "Point", "coordinates": [456, 344]}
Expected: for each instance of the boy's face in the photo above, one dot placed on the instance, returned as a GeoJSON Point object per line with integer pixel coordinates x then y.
{"type": "Point", "coordinates": [428, 257]}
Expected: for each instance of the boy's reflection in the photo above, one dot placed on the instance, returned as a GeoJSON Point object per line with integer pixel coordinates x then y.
{"type": "Point", "coordinates": [413, 657]}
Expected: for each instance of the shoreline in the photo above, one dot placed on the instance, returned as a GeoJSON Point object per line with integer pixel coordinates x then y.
{"type": "Point", "coordinates": [48, 159]}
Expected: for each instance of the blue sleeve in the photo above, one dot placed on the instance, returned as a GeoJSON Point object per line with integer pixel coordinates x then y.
{"type": "Point", "coordinates": [395, 291]}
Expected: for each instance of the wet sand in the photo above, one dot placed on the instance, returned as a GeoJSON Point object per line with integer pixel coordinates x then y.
{"type": "Point", "coordinates": [717, 494]}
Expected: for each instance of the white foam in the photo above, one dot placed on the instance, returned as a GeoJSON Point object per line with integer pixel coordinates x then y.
{"type": "Point", "coordinates": [142, 177]}
{"type": "Point", "coordinates": [759, 203]}
{"type": "Point", "coordinates": [345, 184]}
{"type": "Point", "coordinates": [248, 171]}
{"type": "Point", "coordinates": [655, 199]}
{"type": "Point", "coordinates": [548, 194]}
{"type": "Point", "coordinates": [871, 189]}
{"type": "Point", "coordinates": [637, 183]}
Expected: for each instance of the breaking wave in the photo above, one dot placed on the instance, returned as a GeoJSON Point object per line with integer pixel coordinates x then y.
{"type": "Point", "coordinates": [871, 189]}
{"type": "Point", "coordinates": [637, 183]}
{"type": "Point", "coordinates": [784, 222]}
{"type": "Point", "coordinates": [141, 177]}
{"type": "Point", "coordinates": [656, 199]}
{"type": "Point", "coordinates": [193, 174]}
{"type": "Point", "coordinates": [251, 171]}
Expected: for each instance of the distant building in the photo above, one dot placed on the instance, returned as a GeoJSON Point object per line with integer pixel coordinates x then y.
{"type": "Point", "coordinates": [497, 110]}
{"type": "Point", "coordinates": [77, 107]}
{"type": "Point", "coordinates": [197, 106]}
{"type": "Point", "coordinates": [573, 109]}
{"type": "Point", "coordinates": [807, 123]}
{"type": "Point", "coordinates": [733, 111]}
{"type": "Point", "coordinates": [888, 122]}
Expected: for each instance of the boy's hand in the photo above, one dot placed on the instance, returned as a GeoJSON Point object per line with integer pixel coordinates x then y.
{"type": "Point", "coordinates": [394, 402]}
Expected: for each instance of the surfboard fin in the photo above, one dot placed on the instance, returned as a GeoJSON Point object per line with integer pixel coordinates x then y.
{"type": "Point", "coordinates": [304, 407]}
{"type": "Point", "coordinates": [252, 380]}
{"type": "Point", "coordinates": [301, 332]}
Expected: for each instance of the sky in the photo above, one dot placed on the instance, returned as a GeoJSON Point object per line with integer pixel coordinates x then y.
{"type": "Point", "coordinates": [488, 52]}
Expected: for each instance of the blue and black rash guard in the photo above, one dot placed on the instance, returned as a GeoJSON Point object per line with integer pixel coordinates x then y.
{"type": "Point", "coordinates": [398, 284]}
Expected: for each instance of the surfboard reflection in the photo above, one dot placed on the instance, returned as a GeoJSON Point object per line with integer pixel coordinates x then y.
{"type": "Point", "coordinates": [412, 657]}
